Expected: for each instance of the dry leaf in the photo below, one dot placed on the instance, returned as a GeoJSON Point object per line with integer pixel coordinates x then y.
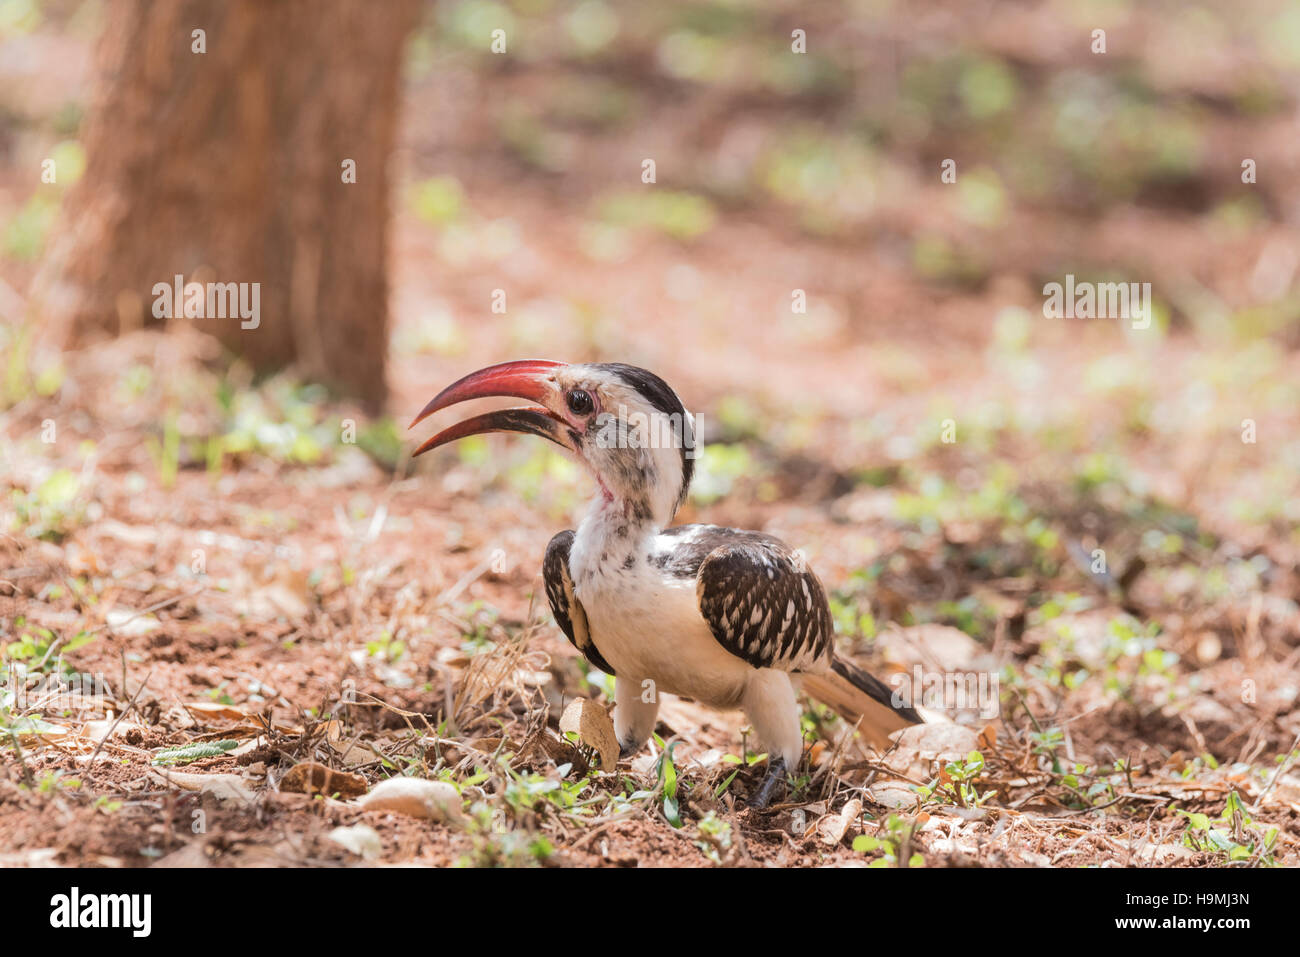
{"type": "Point", "coordinates": [1163, 853]}
{"type": "Point", "coordinates": [223, 787]}
{"type": "Point", "coordinates": [350, 753]}
{"type": "Point", "coordinates": [562, 751]}
{"type": "Point", "coordinates": [98, 730]}
{"type": "Point", "coordinates": [129, 623]}
{"type": "Point", "coordinates": [594, 729]}
{"type": "Point", "coordinates": [82, 561]}
{"type": "Point", "coordinates": [832, 828]}
{"type": "Point", "coordinates": [529, 677]}
{"type": "Point", "coordinates": [287, 594]}
{"type": "Point", "coordinates": [192, 854]}
{"type": "Point", "coordinates": [309, 777]}
{"type": "Point", "coordinates": [214, 710]}
{"type": "Point", "coordinates": [987, 738]}
{"type": "Point", "coordinates": [1288, 788]}
{"type": "Point", "coordinates": [923, 744]}
{"type": "Point", "coordinates": [893, 794]}
{"type": "Point", "coordinates": [250, 745]}
{"type": "Point", "coordinates": [433, 800]}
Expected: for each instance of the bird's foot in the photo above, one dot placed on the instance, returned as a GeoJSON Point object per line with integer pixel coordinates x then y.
{"type": "Point", "coordinates": [775, 775]}
{"type": "Point", "coordinates": [626, 751]}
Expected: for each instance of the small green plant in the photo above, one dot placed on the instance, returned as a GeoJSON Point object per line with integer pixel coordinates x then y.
{"type": "Point", "coordinates": [715, 836]}
{"type": "Point", "coordinates": [20, 374]}
{"type": "Point", "coordinates": [595, 678]}
{"type": "Point", "coordinates": [1234, 838]}
{"type": "Point", "coordinates": [439, 200]}
{"type": "Point", "coordinates": [630, 796]}
{"type": "Point", "coordinates": [956, 784]}
{"type": "Point", "coordinates": [1133, 655]}
{"type": "Point", "coordinates": [797, 784]}
{"type": "Point", "coordinates": [1047, 742]}
{"type": "Point", "coordinates": [509, 849]}
{"type": "Point", "coordinates": [680, 215]}
{"type": "Point", "coordinates": [382, 442]}
{"type": "Point", "coordinates": [55, 781]}
{"type": "Point", "coordinates": [722, 788]}
{"type": "Point", "coordinates": [851, 607]}
{"type": "Point", "coordinates": [52, 510]}
{"type": "Point", "coordinates": [894, 839]}
{"type": "Point", "coordinates": [1092, 787]}
{"type": "Point", "coordinates": [749, 760]}
{"type": "Point", "coordinates": [721, 469]}
{"type": "Point", "coordinates": [666, 772]}
{"type": "Point", "coordinates": [478, 619]}
{"type": "Point", "coordinates": [494, 845]}
{"type": "Point", "coordinates": [386, 648]}
{"type": "Point", "coordinates": [533, 794]}
{"type": "Point", "coordinates": [167, 453]}
{"type": "Point", "coordinates": [12, 725]}
{"type": "Point", "coordinates": [218, 694]}
{"type": "Point", "coordinates": [39, 650]}
{"type": "Point", "coordinates": [530, 792]}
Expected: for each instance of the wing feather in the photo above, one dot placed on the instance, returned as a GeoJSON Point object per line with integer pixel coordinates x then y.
{"type": "Point", "coordinates": [763, 604]}
{"type": "Point", "coordinates": [568, 611]}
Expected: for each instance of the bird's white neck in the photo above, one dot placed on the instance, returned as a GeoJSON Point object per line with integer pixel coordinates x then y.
{"type": "Point", "coordinates": [614, 532]}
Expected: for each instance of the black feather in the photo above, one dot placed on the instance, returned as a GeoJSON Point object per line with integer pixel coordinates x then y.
{"type": "Point", "coordinates": [568, 611]}
{"type": "Point", "coordinates": [761, 603]}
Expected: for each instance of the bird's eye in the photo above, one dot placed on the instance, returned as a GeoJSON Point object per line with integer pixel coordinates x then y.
{"type": "Point", "coordinates": [579, 401]}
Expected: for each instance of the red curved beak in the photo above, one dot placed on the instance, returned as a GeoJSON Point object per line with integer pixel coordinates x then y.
{"type": "Point", "coordinates": [525, 379]}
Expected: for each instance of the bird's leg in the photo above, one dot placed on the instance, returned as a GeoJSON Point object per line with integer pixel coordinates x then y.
{"type": "Point", "coordinates": [770, 704]}
{"type": "Point", "coordinates": [636, 708]}
{"type": "Point", "coordinates": [775, 775]}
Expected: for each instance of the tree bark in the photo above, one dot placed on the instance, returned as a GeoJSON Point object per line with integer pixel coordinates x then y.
{"type": "Point", "coordinates": [228, 166]}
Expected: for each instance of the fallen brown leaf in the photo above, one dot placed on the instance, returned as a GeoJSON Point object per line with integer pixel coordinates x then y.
{"type": "Point", "coordinates": [594, 729]}
{"type": "Point", "coordinates": [309, 777]}
{"type": "Point", "coordinates": [832, 828]}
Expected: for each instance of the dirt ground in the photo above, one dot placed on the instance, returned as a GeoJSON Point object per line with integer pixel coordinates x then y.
{"type": "Point", "coordinates": [196, 557]}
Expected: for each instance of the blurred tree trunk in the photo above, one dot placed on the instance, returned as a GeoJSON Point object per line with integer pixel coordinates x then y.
{"type": "Point", "coordinates": [227, 166]}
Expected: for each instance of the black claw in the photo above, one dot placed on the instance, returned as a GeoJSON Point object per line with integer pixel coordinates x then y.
{"type": "Point", "coordinates": [775, 775]}
{"type": "Point", "coordinates": [627, 750]}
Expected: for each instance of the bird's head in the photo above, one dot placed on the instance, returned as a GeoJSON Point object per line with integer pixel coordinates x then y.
{"type": "Point", "coordinates": [624, 423]}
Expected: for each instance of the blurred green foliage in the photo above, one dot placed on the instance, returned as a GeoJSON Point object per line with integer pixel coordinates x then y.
{"type": "Point", "coordinates": [681, 216]}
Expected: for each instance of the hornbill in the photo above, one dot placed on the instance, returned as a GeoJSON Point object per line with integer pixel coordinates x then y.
{"type": "Point", "coordinates": [728, 617]}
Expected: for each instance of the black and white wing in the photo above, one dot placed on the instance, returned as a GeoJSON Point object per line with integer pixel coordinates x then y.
{"type": "Point", "coordinates": [566, 608]}
{"type": "Point", "coordinates": [766, 607]}
{"type": "Point", "coordinates": [763, 604]}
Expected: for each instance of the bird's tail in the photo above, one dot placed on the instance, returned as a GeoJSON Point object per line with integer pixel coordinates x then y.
{"type": "Point", "coordinates": [855, 694]}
